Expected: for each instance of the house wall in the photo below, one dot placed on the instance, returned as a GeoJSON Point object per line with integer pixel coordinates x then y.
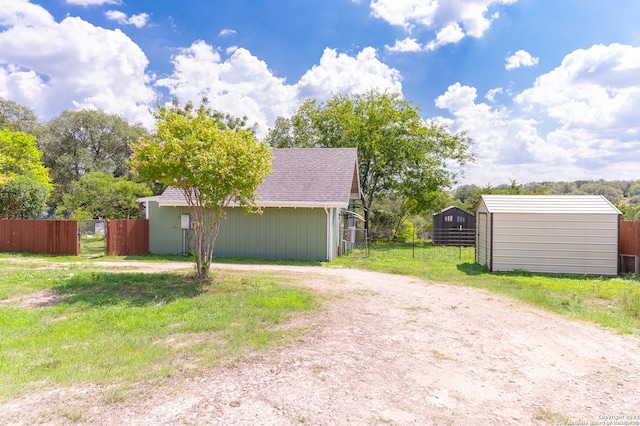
{"type": "Point", "coordinates": [553, 243]}
{"type": "Point", "coordinates": [279, 233]}
{"type": "Point", "coordinates": [165, 235]}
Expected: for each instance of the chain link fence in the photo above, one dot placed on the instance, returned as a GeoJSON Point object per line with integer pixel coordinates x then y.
{"type": "Point", "coordinates": [93, 233]}
{"type": "Point", "coordinates": [354, 242]}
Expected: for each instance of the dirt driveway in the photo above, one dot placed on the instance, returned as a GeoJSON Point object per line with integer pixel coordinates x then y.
{"type": "Point", "coordinates": [387, 349]}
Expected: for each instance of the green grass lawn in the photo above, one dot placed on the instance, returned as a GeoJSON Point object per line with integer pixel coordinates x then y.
{"type": "Point", "coordinates": [122, 327]}
{"type": "Point", "coordinates": [612, 302]}
{"type": "Point", "coordinates": [92, 244]}
{"type": "Point", "coordinates": [115, 327]}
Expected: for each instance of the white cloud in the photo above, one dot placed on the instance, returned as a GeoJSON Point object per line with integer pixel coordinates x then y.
{"type": "Point", "coordinates": [240, 85]}
{"type": "Point", "coordinates": [138, 21]}
{"type": "Point", "coordinates": [243, 85]}
{"type": "Point", "coordinates": [226, 32]}
{"type": "Point", "coordinates": [491, 94]}
{"type": "Point", "coordinates": [451, 21]}
{"type": "Point", "coordinates": [53, 66]}
{"type": "Point", "coordinates": [452, 33]}
{"type": "Point", "coordinates": [594, 95]}
{"type": "Point", "coordinates": [93, 2]}
{"type": "Point", "coordinates": [341, 73]}
{"type": "Point", "coordinates": [409, 44]}
{"type": "Point", "coordinates": [521, 58]}
{"type": "Point", "coordinates": [578, 121]}
{"type": "Point", "coordinates": [508, 147]}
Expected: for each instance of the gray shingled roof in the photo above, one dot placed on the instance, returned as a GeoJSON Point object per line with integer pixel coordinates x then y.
{"type": "Point", "coordinates": [302, 177]}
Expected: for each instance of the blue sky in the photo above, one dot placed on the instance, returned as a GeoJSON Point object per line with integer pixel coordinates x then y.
{"type": "Point", "coordinates": [547, 90]}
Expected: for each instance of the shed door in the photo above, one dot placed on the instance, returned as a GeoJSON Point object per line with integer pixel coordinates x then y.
{"type": "Point", "coordinates": [482, 229]}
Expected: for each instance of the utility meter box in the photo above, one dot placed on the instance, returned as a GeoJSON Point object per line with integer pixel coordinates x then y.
{"type": "Point", "coordinates": [185, 222]}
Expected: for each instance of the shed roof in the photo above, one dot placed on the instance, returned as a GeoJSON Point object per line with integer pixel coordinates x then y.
{"type": "Point", "coordinates": [447, 209]}
{"type": "Point", "coordinates": [570, 204]}
{"type": "Point", "coordinates": [302, 177]}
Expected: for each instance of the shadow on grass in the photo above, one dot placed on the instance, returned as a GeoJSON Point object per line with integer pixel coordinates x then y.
{"type": "Point", "coordinates": [477, 269]}
{"type": "Point", "coordinates": [231, 260]}
{"type": "Point", "coordinates": [472, 268]}
{"type": "Point", "coordinates": [133, 289]}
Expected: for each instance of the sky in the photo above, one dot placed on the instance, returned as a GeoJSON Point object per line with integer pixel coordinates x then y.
{"type": "Point", "coordinates": [547, 90]}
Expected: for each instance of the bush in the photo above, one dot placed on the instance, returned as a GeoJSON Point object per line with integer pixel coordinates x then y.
{"type": "Point", "coordinates": [24, 197]}
{"type": "Point", "coordinates": [406, 232]}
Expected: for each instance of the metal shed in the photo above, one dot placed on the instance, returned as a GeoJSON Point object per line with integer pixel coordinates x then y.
{"type": "Point", "coordinates": [572, 234]}
{"type": "Point", "coordinates": [454, 227]}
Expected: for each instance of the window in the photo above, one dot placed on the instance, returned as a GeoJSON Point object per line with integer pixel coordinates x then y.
{"type": "Point", "coordinates": [461, 219]}
{"type": "Point", "coordinates": [448, 218]}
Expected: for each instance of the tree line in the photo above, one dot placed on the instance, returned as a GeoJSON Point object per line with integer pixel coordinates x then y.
{"type": "Point", "coordinates": [400, 154]}
{"type": "Point", "coordinates": [74, 165]}
{"type": "Point", "coordinates": [88, 163]}
{"type": "Point", "coordinates": [624, 194]}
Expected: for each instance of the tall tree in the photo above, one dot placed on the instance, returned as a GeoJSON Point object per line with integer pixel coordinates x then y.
{"type": "Point", "coordinates": [99, 194]}
{"type": "Point", "coordinates": [17, 118]}
{"type": "Point", "coordinates": [79, 142]}
{"type": "Point", "coordinates": [398, 152]}
{"type": "Point", "coordinates": [24, 181]}
{"type": "Point", "coordinates": [212, 164]}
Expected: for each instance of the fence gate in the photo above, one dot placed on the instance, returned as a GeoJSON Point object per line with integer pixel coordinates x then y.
{"type": "Point", "coordinates": [127, 237]}
{"type": "Point", "coordinates": [92, 233]}
{"type": "Point", "coordinates": [353, 242]}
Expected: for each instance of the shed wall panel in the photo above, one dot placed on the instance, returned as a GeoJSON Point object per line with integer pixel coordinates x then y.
{"type": "Point", "coordinates": [482, 239]}
{"type": "Point", "coordinates": [483, 235]}
{"type": "Point", "coordinates": [563, 243]}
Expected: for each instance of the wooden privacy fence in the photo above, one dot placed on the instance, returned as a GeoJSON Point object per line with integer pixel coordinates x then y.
{"type": "Point", "coordinates": [129, 237]}
{"type": "Point", "coordinates": [454, 237]}
{"type": "Point", "coordinates": [629, 246]}
{"type": "Point", "coordinates": [58, 237]}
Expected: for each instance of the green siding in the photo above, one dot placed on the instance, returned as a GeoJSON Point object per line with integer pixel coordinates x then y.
{"type": "Point", "coordinates": [279, 233]}
{"type": "Point", "coordinates": [165, 235]}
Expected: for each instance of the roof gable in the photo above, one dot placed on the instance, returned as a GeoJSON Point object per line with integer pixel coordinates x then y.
{"type": "Point", "coordinates": [452, 209]}
{"type": "Point", "coordinates": [569, 204]}
{"type": "Point", "coordinates": [302, 177]}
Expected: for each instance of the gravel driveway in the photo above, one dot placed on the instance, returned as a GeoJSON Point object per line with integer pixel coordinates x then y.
{"type": "Point", "coordinates": [387, 349]}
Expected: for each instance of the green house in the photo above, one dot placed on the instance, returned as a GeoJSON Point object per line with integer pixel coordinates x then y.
{"type": "Point", "coordinates": [302, 200]}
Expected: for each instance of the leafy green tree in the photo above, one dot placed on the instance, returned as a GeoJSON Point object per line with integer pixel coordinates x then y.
{"type": "Point", "coordinates": [79, 142]}
{"type": "Point", "coordinates": [634, 189]}
{"type": "Point", "coordinates": [24, 197]}
{"type": "Point", "coordinates": [212, 164]}
{"type": "Point", "coordinates": [612, 193]}
{"type": "Point", "coordinates": [630, 212]}
{"type": "Point", "coordinates": [19, 155]}
{"type": "Point", "coordinates": [99, 194]}
{"type": "Point", "coordinates": [17, 118]}
{"type": "Point", "coordinates": [462, 192]}
{"type": "Point", "coordinates": [24, 181]}
{"type": "Point", "coordinates": [398, 152]}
